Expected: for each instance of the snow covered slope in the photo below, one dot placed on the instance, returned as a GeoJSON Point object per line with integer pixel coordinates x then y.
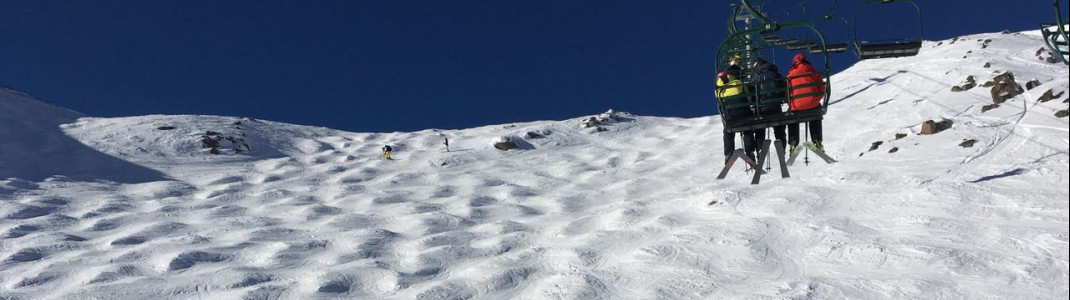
{"type": "Point", "coordinates": [622, 212]}
{"type": "Point", "coordinates": [33, 146]}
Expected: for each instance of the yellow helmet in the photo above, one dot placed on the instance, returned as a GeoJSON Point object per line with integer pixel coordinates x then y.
{"type": "Point", "coordinates": [735, 59]}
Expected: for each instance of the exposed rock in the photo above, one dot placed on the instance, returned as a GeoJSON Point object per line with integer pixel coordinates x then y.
{"type": "Point", "coordinates": [988, 65]}
{"type": "Point", "coordinates": [1005, 31]}
{"type": "Point", "coordinates": [1062, 113]}
{"type": "Point", "coordinates": [166, 128]}
{"type": "Point", "coordinates": [970, 83]}
{"type": "Point", "coordinates": [967, 143]}
{"type": "Point", "coordinates": [933, 127]}
{"type": "Point", "coordinates": [1045, 55]}
{"type": "Point", "coordinates": [214, 141]}
{"type": "Point", "coordinates": [894, 150]}
{"type": "Point", "coordinates": [1032, 84]}
{"type": "Point", "coordinates": [1048, 96]}
{"type": "Point", "coordinates": [510, 142]}
{"type": "Point", "coordinates": [1005, 88]}
{"type": "Point", "coordinates": [875, 145]}
{"type": "Point", "coordinates": [538, 134]}
{"type": "Point", "coordinates": [606, 118]}
{"type": "Point", "coordinates": [988, 84]}
{"type": "Point", "coordinates": [208, 142]}
{"type": "Point", "coordinates": [591, 122]}
{"type": "Point", "coordinates": [900, 135]}
{"type": "Point", "coordinates": [506, 145]}
{"type": "Point", "coordinates": [988, 107]}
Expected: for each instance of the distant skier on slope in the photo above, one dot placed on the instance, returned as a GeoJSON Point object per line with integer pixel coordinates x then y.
{"type": "Point", "coordinates": [386, 152]}
{"type": "Point", "coordinates": [805, 98]}
{"type": "Point", "coordinates": [446, 141]}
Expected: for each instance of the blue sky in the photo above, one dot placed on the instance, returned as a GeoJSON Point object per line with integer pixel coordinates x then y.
{"type": "Point", "coordinates": [406, 65]}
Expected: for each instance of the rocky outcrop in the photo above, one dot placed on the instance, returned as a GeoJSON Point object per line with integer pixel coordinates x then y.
{"type": "Point", "coordinates": [1047, 56]}
{"type": "Point", "coordinates": [934, 127]}
{"type": "Point", "coordinates": [506, 145]}
{"type": "Point", "coordinates": [216, 143]}
{"type": "Point", "coordinates": [604, 119]}
{"type": "Point", "coordinates": [970, 83]}
{"type": "Point", "coordinates": [989, 107]}
{"type": "Point", "coordinates": [1032, 84]}
{"type": "Point", "coordinates": [1048, 96]}
{"type": "Point", "coordinates": [1004, 88]}
{"type": "Point", "coordinates": [538, 134]}
{"type": "Point", "coordinates": [875, 145]}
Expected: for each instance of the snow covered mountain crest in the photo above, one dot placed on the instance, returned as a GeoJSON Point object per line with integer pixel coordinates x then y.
{"type": "Point", "coordinates": [139, 208]}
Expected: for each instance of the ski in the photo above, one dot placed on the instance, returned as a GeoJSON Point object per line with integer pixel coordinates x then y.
{"type": "Point", "coordinates": [780, 156]}
{"type": "Point", "coordinates": [762, 156]}
{"type": "Point", "coordinates": [728, 164]}
{"type": "Point", "coordinates": [812, 148]}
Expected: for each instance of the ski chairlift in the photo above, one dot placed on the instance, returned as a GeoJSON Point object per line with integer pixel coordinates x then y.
{"type": "Point", "coordinates": [743, 44]}
{"type": "Point", "coordinates": [1056, 40]}
{"type": "Point", "coordinates": [830, 48]}
{"type": "Point", "coordinates": [741, 48]}
{"type": "Point", "coordinates": [811, 45]}
{"type": "Point", "coordinates": [887, 48]}
{"type": "Point", "coordinates": [801, 45]}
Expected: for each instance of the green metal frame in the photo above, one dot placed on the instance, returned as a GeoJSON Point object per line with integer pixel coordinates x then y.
{"type": "Point", "coordinates": [1051, 38]}
{"type": "Point", "coordinates": [810, 45]}
{"type": "Point", "coordinates": [897, 48]}
{"type": "Point", "coordinates": [746, 43]}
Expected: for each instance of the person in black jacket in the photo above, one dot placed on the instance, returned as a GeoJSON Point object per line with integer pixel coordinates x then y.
{"type": "Point", "coordinates": [769, 85]}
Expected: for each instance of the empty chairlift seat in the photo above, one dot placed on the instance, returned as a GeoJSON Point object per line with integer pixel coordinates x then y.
{"type": "Point", "coordinates": [890, 48]}
{"type": "Point", "coordinates": [867, 50]}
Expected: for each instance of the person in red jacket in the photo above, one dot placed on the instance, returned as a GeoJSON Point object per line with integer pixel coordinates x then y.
{"type": "Point", "coordinates": [805, 95]}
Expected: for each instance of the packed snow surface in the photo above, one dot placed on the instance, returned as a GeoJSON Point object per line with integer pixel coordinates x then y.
{"type": "Point", "coordinates": [136, 208]}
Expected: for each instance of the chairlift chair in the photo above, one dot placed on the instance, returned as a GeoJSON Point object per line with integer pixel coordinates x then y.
{"type": "Point", "coordinates": [830, 48]}
{"type": "Point", "coordinates": [742, 42]}
{"type": "Point", "coordinates": [839, 47]}
{"type": "Point", "coordinates": [748, 43]}
{"type": "Point", "coordinates": [887, 48]}
{"type": "Point", "coordinates": [801, 45]}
